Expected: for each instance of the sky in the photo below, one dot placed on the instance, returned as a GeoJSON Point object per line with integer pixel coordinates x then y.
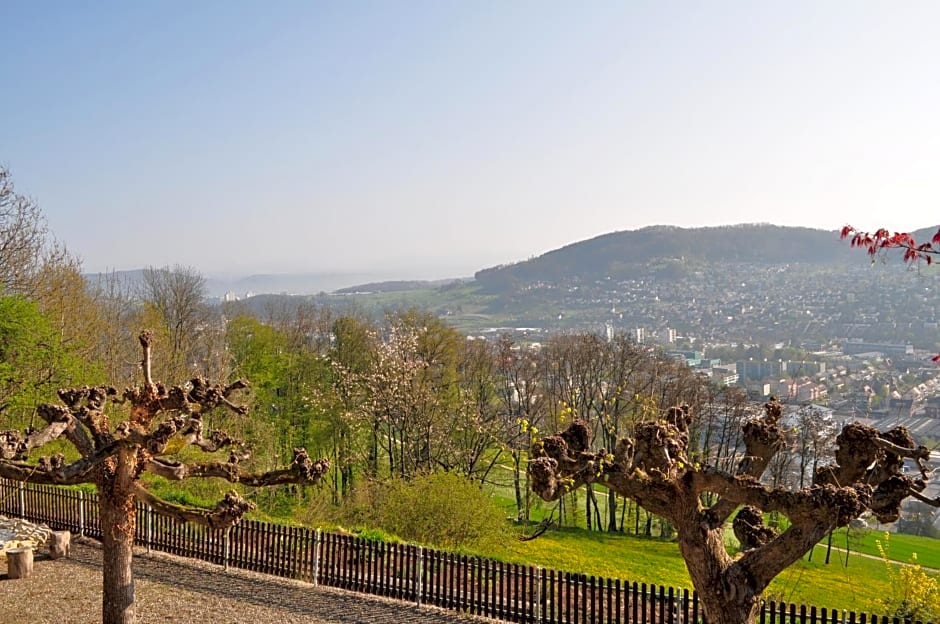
{"type": "Point", "coordinates": [431, 139]}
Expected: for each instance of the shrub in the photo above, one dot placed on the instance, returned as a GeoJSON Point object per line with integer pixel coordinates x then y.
{"type": "Point", "coordinates": [915, 594]}
{"type": "Point", "coordinates": [440, 509]}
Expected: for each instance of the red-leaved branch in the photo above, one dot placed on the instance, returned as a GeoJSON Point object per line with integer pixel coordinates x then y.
{"type": "Point", "coordinates": [876, 241]}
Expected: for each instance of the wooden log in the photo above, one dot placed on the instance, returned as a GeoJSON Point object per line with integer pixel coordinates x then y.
{"type": "Point", "coordinates": [19, 563]}
{"type": "Point", "coordinates": [59, 544]}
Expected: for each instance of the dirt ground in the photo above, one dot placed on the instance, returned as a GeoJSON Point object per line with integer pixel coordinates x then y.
{"type": "Point", "coordinates": [172, 589]}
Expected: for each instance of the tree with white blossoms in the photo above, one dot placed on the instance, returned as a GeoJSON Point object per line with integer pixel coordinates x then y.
{"type": "Point", "coordinates": [162, 421]}
{"type": "Point", "coordinates": [653, 468]}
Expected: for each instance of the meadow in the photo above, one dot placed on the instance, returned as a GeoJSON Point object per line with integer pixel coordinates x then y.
{"type": "Point", "coordinates": [853, 583]}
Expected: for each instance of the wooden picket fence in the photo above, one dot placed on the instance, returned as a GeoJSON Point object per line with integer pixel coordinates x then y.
{"type": "Point", "coordinates": [494, 589]}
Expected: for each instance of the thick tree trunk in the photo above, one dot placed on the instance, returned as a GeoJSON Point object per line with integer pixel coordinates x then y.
{"type": "Point", "coordinates": [118, 541]}
{"type": "Point", "coordinates": [118, 516]}
{"type": "Point", "coordinates": [725, 590]}
{"type": "Point", "coordinates": [725, 609]}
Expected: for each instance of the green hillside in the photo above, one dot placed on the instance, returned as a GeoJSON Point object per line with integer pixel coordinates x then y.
{"type": "Point", "coordinates": [854, 583]}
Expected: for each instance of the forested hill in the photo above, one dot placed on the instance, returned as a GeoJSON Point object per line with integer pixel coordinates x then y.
{"type": "Point", "coordinates": [396, 286]}
{"type": "Point", "coordinates": [677, 250]}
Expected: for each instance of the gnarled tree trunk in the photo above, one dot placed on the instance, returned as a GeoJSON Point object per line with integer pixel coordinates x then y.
{"type": "Point", "coordinates": [730, 608]}
{"type": "Point", "coordinates": [726, 593]}
{"type": "Point", "coordinates": [118, 516]}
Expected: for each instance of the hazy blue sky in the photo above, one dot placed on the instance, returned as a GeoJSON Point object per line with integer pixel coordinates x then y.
{"type": "Point", "coordinates": [430, 139]}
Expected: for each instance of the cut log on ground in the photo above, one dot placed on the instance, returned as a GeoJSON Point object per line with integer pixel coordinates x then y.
{"type": "Point", "coordinates": [19, 563]}
{"type": "Point", "coordinates": [59, 544]}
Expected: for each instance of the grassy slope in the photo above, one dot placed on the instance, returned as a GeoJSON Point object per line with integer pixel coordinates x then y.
{"type": "Point", "coordinates": [855, 587]}
{"type": "Point", "coordinates": [900, 547]}
{"type": "Point", "coordinates": [466, 305]}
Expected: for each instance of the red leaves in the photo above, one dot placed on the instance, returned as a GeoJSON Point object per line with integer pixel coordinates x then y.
{"type": "Point", "coordinates": [883, 239]}
{"type": "Point", "coordinates": [873, 242]}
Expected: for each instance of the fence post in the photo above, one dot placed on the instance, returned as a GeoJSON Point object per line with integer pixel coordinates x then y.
{"type": "Point", "coordinates": [81, 513]}
{"type": "Point", "coordinates": [149, 535]}
{"type": "Point", "coordinates": [22, 492]}
{"type": "Point", "coordinates": [538, 594]}
{"type": "Point", "coordinates": [316, 557]}
{"type": "Point", "coordinates": [419, 581]}
{"type": "Point", "coordinates": [226, 547]}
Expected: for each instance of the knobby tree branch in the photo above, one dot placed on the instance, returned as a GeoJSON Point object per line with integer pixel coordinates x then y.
{"type": "Point", "coordinates": [652, 468]}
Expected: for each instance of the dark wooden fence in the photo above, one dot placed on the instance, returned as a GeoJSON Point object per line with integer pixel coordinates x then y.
{"type": "Point", "coordinates": [502, 591]}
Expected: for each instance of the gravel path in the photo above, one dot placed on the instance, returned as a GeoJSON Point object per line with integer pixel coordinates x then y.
{"type": "Point", "coordinates": [172, 589]}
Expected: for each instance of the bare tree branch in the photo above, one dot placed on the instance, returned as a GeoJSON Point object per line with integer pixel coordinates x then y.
{"type": "Point", "coordinates": [22, 237]}
{"type": "Point", "coordinates": [226, 513]}
{"type": "Point", "coordinates": [302, 470]}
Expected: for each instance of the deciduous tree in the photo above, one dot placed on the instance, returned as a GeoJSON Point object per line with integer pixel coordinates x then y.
{"type": "Point", "coordinates": [177, 297]}
{"type": "Point", "coordinates": [522, 405]}
{"type": "Point", "coordinates": [113, 456]}
{"type": "Point", "coordinates": [34, 362]}
{"type": "Point", "coordinates": [654, 468]}
{"type": "Point", "coordinates": [22, 237]}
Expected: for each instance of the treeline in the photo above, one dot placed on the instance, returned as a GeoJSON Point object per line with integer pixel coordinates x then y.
{"type": "Point", "coordinates": [399, 398]}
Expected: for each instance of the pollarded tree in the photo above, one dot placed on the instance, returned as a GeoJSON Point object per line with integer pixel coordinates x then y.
{"type": "Point", "coordinates": [654, 469]}
{"type": "Point", "coordinates": [161, 422]}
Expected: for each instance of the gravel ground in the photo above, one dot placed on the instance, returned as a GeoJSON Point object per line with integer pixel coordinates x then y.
{"type": "Point", "coordinates": [172, 589]}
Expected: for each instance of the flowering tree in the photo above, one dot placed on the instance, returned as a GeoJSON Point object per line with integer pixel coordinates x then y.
{"type": "Point", "coordinates": [162, 422]}
{"type": "Point", "coordinates": [653, 468]}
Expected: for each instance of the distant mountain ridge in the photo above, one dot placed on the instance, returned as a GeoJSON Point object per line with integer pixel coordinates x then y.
{"type": "Point", "coordinates": [667, 250]}
{"type": "Point", "coordinates": [676, 248]}
{"type": "Point", "coordinates": [397, 286]}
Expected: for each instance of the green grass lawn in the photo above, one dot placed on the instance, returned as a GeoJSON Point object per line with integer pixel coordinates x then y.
{"type": "Point", "coordinates": [855, 585]}
{"type": "Point", "coordinates": [900, 547]}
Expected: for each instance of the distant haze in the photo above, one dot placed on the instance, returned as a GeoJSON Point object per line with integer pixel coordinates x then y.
{"type": "Point", "coordinates": [667, 250]}
{"type": "Point", "coordinates": [430, 139]}
{"type": "Point", "coordinates": [275, 283]}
